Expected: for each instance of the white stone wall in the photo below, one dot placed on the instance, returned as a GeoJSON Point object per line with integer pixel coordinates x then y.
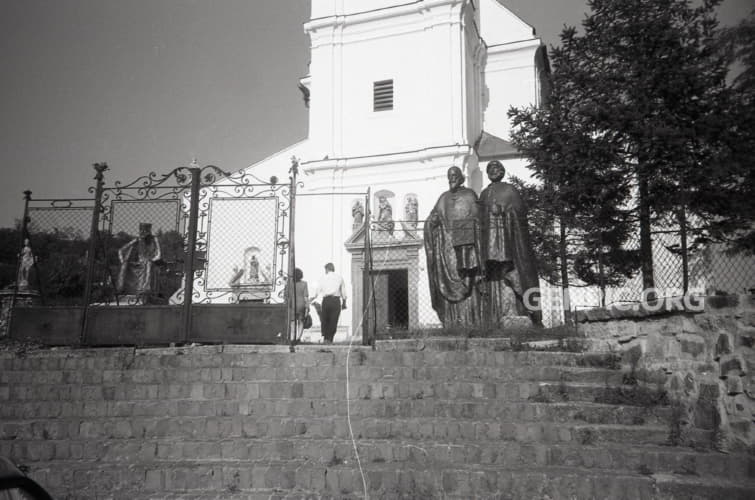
{"type": "Point", "coordinates": [421, 48]}
{"type": "Point", "coordinates": [447, 87]}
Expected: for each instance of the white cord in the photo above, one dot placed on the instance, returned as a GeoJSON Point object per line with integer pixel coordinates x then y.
{"type": "Point", "coordinates": [348, 415]}
{"type": "Point", "coordinates": [348, 403]}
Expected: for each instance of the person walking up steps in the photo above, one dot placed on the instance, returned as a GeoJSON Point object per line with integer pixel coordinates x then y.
{"type": "Point", "coordinates": [331, 291]}
{"type": "Point", "coordinates": [301, 298]}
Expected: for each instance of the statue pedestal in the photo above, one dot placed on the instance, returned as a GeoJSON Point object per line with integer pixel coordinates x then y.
{"type": "Point", "coordinates": [24, 297]}
{"type": "Point", "coordinates": [508, 323]}
{"type": "Point", "coordinates": [516, 322]}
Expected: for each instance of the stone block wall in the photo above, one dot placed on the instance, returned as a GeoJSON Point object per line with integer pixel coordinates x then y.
{"type": "Point", "coordinates": [700, 351]}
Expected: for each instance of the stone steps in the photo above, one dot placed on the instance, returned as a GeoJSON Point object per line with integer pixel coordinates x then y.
{"type": "Point", "coordinates": [440, 429]}
{"type": "Point", "coordinates": [244, 391]}
{"type": "Point", "coordinates": [412, 452]}
{"type": "Point", "coordinates": [277, 357]}
{"type": "Point", "coordinates": [448, 418]}
{"type": "Point", "coordinates": [73, 382]}
{"type": "Point", "coordinates": [236, 415]}
{"type": "Point", "coordinates": [339, 479]}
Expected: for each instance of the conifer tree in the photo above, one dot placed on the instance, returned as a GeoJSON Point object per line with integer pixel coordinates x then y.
{"type": "Point", "coordinates": [641, 128]}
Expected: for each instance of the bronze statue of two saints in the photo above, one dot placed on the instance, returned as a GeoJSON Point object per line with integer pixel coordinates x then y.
{"type": "Point", "coordinates": [480, 263]}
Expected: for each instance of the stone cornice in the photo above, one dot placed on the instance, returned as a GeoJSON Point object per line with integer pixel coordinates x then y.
{"type": "Point", "coordinates": [415, 16]}
{"type": "Point", "coordinates": [420, 155]}
{"type": "Point", "coordinates": [514, 46]}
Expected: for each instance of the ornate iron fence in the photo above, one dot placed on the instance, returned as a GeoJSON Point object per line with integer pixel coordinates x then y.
{"type": "Point", "coordinates": [134, 244]}
{"type": "Point", "coordinates": [173, 240]}
{"type": "Point", "coordinates": [243, 236]}
{"type": "Point", "coordinates": [54, 253]}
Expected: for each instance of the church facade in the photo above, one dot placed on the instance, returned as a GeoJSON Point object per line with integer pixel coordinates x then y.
{"type": "Point", "coordinates": [397, 94]}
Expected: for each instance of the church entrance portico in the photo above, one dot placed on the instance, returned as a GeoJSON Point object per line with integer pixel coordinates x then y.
{"type": "Point", "coordinates": [394, 274]}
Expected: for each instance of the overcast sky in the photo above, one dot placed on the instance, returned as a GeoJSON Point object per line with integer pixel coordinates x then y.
{"type": "Point", "coordinates": [147, 85]}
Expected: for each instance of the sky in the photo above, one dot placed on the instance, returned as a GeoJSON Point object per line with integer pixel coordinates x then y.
{"type": "Point", "coordinates": [148, 85]}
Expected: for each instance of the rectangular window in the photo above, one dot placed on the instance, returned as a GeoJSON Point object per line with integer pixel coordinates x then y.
{"type": "Point", "coordinates": [382, 95]}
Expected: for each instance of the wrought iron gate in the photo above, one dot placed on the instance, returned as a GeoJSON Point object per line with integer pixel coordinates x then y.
{"type": "Point", "coordinates": [229, 233]}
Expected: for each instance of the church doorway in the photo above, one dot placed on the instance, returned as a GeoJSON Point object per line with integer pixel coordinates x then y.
{"type": "Point", "coordinates": [391, 298]}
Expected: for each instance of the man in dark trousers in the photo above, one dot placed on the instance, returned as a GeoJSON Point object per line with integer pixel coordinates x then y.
{"type": "Point", "coordinates": [331, 290]}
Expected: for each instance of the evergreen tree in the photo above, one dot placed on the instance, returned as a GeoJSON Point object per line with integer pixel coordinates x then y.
{"type": "Point", "coordinates": [638, 128]}
{"type": "Point", "coordinates": [740, 42]}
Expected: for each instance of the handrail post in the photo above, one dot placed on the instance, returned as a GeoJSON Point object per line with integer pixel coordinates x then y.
{"type": "Point", "coordinates": [191, 243]}
{"type": "Point", "coordinates": [100, 169]}
{"type": "Point", "coordinates": [290, 284]}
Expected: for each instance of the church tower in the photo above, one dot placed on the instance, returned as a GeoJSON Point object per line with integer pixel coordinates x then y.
{"type": "Point", "coordinates": [415, 87]}
{"type": "Point", "coordinates": [395, 85]}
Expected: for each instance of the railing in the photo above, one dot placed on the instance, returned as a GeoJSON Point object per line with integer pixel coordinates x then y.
{"type": "Point", "coordinates": [401, 304]}
{"type": "Point", "coordinates": [147, 244]}
{"type": "Point", "coordinates": [213, 238]}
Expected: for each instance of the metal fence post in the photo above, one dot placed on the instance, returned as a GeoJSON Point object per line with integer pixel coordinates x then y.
{"type": "Point", "coordinates": [100, 168]}
{"type": "Point", "coordinates": [367, 336]}
{"type": "Point", "coordinates": [25, 220]}
{"type": "Point", "coordinates": [290, 284]}
{"type": "Point", "coordinates": [685, 257]}
{"type": "Point", "coordinates": [565, 295]}
{"type": "Point", "coordinates": [191, 243]}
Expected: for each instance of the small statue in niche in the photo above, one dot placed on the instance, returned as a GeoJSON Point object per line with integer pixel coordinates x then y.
{"type": "Point", "coordinates": [411, 211]}
{"type": "Point", "coordinates": [135, 276]}
{"type": "Point", "coordinates": [254, 270]}
{"type": "Point", "coordinates": [357, 214]}
{"type": "Point", "coordinates": [385, 215]}
{"type": "Point", "coordinates": [26, 262]}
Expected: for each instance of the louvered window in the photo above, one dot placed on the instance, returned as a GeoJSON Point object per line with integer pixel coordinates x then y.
{"type": "Point", "coordinates": [382, 95]}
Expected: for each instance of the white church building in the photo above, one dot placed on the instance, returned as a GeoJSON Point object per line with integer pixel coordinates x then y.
{"type": "Point", "coordinates": [399, 91]}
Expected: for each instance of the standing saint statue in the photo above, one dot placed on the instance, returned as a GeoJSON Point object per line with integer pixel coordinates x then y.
{"type": "Point", "coordinates": [452, 245]}
{"type": "Point", "coordinates": [510, 265]}
{"type": "Point", "coordinates": [137, 259]}
{"type": "Point", "coordinates": [357, 214]}
{"type": "Point", "coordinates": [26, 262]}
{"type": "Point", "coordinates": [411, 211]}
{"type": "Point", "coordinates": [254, 270]}
{"type": "Point", "coordinates": [385, 215]}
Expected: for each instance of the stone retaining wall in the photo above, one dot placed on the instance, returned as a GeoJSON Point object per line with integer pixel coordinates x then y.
{"type": "Point", "coordinates": [701, 352]}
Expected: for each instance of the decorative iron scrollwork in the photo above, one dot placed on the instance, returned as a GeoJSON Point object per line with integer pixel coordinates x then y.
{"type": "Point", "coordinates": [153, 186]}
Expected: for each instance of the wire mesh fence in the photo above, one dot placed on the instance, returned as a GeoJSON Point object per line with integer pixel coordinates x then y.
{"type": "Point", "coordinates": [152, 242]}
{"type": "Point", "coordinates": [54, 256]}
{"type": "Point", "coordinates": [710, 269]}
{"type": "Point", "coordinates": [140, 254]}
{"type": "Point", "coordinates": [243, 236]}
{"type": "Point", "coordinates": [141, 241]}
{"type": "Point", "coordinates": [402, 304]}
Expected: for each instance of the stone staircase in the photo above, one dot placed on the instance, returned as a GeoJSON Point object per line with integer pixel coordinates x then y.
{"type": "Point", "coordinates": [446, 419]}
